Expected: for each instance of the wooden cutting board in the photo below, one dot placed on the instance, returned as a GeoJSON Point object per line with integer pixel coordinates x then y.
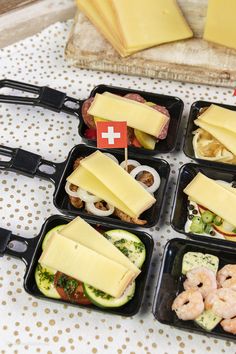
{"type": "Point", "coordinates": [8, 5]}
{"type": "Point", "coordinates": [193, 60]}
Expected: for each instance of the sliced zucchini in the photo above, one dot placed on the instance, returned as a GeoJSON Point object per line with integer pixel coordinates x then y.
{"type": "Point", "coordinates": [101, 299]}
{"type": "Point", "coordinates": [44, 278]}
{"type": "Point", "coordinates": [208, 320]}
{"type": "Point", "coordinates": [49, 233]}
{"type": "Point", "coordinates": [129, 244]}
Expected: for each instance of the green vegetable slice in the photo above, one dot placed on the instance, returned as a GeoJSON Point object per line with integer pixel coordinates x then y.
{"type": "Point", "coordinates": [101, 299]}
{"type": "Point", "coordinates": [44, 278]}
{"type": "Point", "coordinates": [49, 234]}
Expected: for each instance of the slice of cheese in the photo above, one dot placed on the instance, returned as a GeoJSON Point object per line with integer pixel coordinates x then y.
{"type": "Point", "coordinates": [219, 117]}
{"type": "Point", "coordinates": [86, 180]}
{"type": "Point", "coordinates": [213, 196]}
{"type": "Point", "coordinates": [82, 263]}
{"type": "Point", "coordinates": [136, 114]}
{"type": "Point", "coordinates": [87, 8]}
{"type": "Point", "coordinates": [105, 11]}
{"type": "Point", "coordinates": [220, 23]}
{"type": "Point", "coordinates": [150, 22]}
{"type": "Point", "coordinates": [117, 180]}
{"type": "Point", "coordinates": [80, 231]}
{"type": "Point", "coordinates": [225, 136]}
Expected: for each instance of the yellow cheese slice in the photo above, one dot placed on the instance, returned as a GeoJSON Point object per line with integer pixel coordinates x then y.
{"type": "Point", "coordinates": [105, 11]}
{"type": "Point", "coordinates": [136, 114]}
{"type": "Point", "coordinates": [124, 186]}
{"type": "Point", "coordinates": [213, 196]}
{"type": "Point", "coordinates": [220, 23]}
{"type": "Point", "coordinates": [226, 137]}
{"type": "Point", "coordinates": [219, 117]}
{"type": "Point", "coordinates": [80, 231]}
{"type": "Point", "coordinates": [150, 22]}
{"type": "Point", "coordinates": [87, 7]}
{"type": "Point", "coordinates": [82, 263]}
{"type": "Point", "coordinates": [86, 180]}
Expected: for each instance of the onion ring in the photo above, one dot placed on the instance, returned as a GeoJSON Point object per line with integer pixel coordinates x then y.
{"type": "Point", "coordinates": [130, 162]}
{"type": "Point", "coordinates": [70, 192]}
{"type": "Point", "coordinates": [112, 157]}
{"type": "Point", "coordinates": [156, 177]}
{"type": "Point", "coordinates": [95, 211]}
{"type": "Point", "coordinates": [86, 196]}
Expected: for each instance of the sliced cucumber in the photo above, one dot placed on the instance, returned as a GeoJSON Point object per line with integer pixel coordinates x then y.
{"type": "Point", "coordinates": [208, 320]}
{"type": "Point", "coordinates": [129, 244]}
{"type": "Point", "coordinates": [44, 278]}
{"type": "Point", "coordinates": [49, 234]}
{"type": "Point", "coordinates": [101, 299]}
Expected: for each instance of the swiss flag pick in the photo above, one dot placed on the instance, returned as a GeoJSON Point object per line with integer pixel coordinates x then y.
{"type": "Point", "coordinates": [111, 135]}
{"type": "Point", "coordinates": [234, 94]}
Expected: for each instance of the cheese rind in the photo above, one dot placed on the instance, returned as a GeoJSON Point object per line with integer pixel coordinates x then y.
{"type": "Point", "coordinates": [82, 263]}
{"type": "Point", "coordinates": [219, 117]}
{"type": "Point", "coordinates": [220, 23]}
{"type": "Point", "coordinates": [137, 115]}
{"type": "Point", "coordinates": [115, 178]}
{"type": "Point", "coordinates": [152, 22]}
{"type": "Point", "coordinates": [80, 231]}
{"type": "Point", "coordinates": [213, 196]}
{"type": "Point", "coordinates": [225, 136]}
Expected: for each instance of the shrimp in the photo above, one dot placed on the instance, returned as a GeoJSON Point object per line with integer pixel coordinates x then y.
{"type": "Point", "coordinates": [229, 325]}
{"type": "Point", "coordinates": [223, 302]}
{"type": "Point", "coordinates": [188, 305]}
{"type": "Point", "coordinates": [226, 277]}
{"type": "Point", "coordinates": [202, 279]}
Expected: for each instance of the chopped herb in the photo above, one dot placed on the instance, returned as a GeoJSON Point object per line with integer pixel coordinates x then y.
{"type": "Point", "coordinates": [45, 275]}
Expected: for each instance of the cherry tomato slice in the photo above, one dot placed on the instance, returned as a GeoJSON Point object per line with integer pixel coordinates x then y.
{"type": "Point", "coordinates": [70, 289]}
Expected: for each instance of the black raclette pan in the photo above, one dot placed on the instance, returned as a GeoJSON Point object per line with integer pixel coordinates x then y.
{"type": "Point", "coordinates": [33, 249]}
{"type": "Point", "coordinates": [170, 282]}
{"type": "Point", "coordinates": [30, 164]}
{"type": "Point", "coordinates": [191, 127]}
{"type": "Point", "coordinates": [58, 101]}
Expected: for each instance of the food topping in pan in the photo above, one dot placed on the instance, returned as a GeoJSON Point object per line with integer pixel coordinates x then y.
{"type": "Point", "coordinates": [210, 210]}
{"type": "Point", "coordinates": [209, 297]}
{"type": "Point", "coordinates": [215, 139]}
{"type": "Point", "coordinates": [94, 267]}
{"type": "Point", "coordinates": [102, 187]}
{"type": "Point", "coordinates": [135, 109]}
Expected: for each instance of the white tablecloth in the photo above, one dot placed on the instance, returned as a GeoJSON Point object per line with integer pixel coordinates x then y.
{"type": "Point", "coordinates": [28, 325]}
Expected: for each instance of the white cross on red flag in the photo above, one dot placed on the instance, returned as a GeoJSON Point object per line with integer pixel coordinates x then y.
{"type": "Point", "coordinates": [111, 134]}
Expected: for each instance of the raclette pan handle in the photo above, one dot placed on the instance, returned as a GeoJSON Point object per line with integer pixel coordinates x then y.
{"type": "Point", "coordinates": [17, 246]}
{"type": "Point", "coordinates": [29, 164]}
{"type": "Point", "coordinates": [44, 96]}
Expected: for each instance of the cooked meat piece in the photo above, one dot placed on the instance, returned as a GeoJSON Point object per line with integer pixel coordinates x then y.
{"type": "Point", "coordinates": [130, 168]}
{"type": "Point", "coordinates": [101, 205]}
{"type": "Point", "coordinates": [127, 218]}
{"type": "Point", "coordinates": [77, 162]}
{"type": "Point", "coordinates": [146, 178]}
{"type": "Point", "coordinates": [76, 202]}
{"type": "Point", "coordinates": [88, 119]}
{"type": "Point", "coordinates": [130, 135]}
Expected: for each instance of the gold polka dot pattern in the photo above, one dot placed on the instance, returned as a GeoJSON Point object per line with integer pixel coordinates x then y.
{"type": "Point", "coordinates": [32, 326]}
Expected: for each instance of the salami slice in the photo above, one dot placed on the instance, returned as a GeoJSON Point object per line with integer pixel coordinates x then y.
{"type": "Point", "coordinates": [164, 131]}
{"type": "Point", "coordinates": [88, 119]}
{"type": "Point", "coordinates": [135, 97]}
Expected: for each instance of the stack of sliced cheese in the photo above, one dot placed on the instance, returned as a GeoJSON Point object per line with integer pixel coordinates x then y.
{"type": "Point", "coordinates": [218, 198]}
{"type": "Point", "coordinates": [137, 115]}
{"type": "Point", "coordinates": [133, 25]}
{"type": "Point", "coordinates": [81, 252]}
{"type": "Point", "coordinates": [220, 25]}
{"type": "Point", "coordinates": [221, 124]}
{"type": "Point", "coordinates": [101, 176]}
